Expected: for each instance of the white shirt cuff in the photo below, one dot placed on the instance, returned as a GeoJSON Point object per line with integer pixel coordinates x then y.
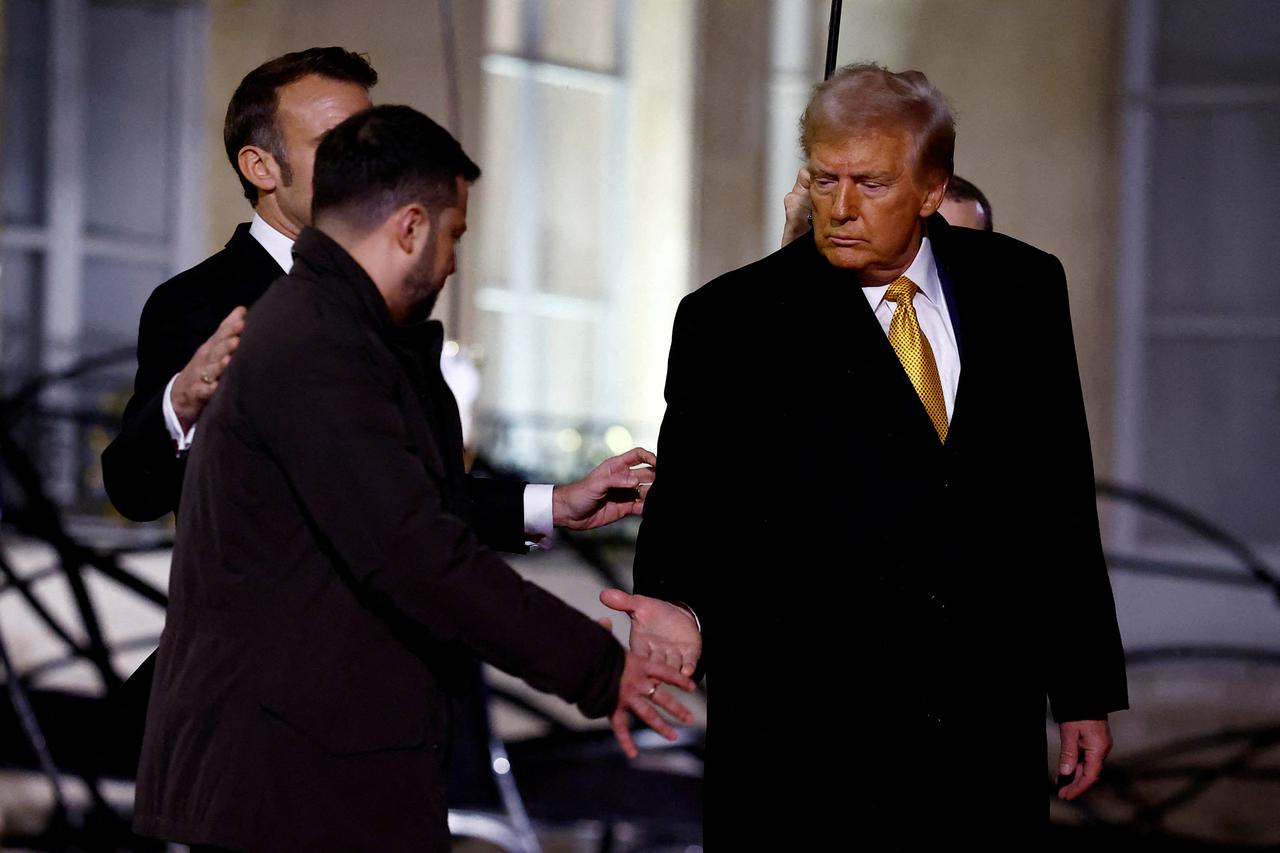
{"type": "Point", "coordinates": [538, 525]}
{"type": "Point", "coordinates": [183, 439]}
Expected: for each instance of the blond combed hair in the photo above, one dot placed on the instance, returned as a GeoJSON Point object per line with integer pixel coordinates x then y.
{"type": "Point", "coordinates": [865, 98]}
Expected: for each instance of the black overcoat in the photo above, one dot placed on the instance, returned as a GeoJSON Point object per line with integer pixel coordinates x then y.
{"type": "Point", "coordinates": [883, 615]}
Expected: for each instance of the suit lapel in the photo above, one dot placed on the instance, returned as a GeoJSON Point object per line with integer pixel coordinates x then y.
{"type": "Point", "coordinates": [260, 269]}
{"type": "Point", "coordinates": [961, 287]}
{"type": "Point", "coordinates": [953, 310]}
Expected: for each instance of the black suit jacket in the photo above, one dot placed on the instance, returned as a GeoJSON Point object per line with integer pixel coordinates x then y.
{"type": "Point", "coordinates": [140, 470]}
{"type": "Point", "coordinates": [325, 586]}
{"type": "Point", "coordinates": [944, 590]}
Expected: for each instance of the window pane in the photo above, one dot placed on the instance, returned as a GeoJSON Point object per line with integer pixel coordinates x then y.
{"type": "Point", "coordinates": [503, 26]}
{"type": "Point", "coordinates": [528, 430]}
{"type": "Point", "coordinates": [495, 214]}
{"type": "Point", "coordinates": [24, 98]}
{"type": "Point", "coordinates": [576, 178]}
{"type": "Point", "coordinates": [114, 293]}
{"type": "Point", "coordinates": [129, 120]}
{"type": "Point", "coordinates": [20, 275]}
{"type": "Point", "coordinates": [569, 348]}
{"type": "Point", "coordinates": [1212, 413]}
{"type": "Point", "coordinates": [579, 32]}
{"type": "Point", "coordinates": [1215, 183]}
{"type": "Point", "coordinates": [1226, 41]}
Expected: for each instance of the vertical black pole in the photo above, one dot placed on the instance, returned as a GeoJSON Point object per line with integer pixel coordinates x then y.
{"type": "Point", "coordinates": [833, 38]}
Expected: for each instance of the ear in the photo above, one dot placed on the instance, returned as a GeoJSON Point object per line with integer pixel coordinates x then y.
{"type": "Point", "coordinates": [937, 190]}
{"type": "Point", "coordinates": [259, 168]}
{"type": "Point", "coordinates": [412, 227]}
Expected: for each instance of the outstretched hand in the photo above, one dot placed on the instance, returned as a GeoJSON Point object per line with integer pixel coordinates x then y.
{"type": "Point", "coordinates": [613, 490]}
{"type": "Point", "coordinates": [640, 693]}
{"type": "Point", "coordinates": [660, 630]}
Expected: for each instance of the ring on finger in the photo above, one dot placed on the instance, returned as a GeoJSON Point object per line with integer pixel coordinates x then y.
{"type": "Point", "coordinates": [206, 378]}
{"type": "Point", "coordinates": [652, 690]}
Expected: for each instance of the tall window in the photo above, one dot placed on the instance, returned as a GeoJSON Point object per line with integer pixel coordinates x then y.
{"type": "Point", "coordinates": [555, 123]}
{"type": "Point", "coordinates": [101, 195]}
{"type": "Point", "coordinates": [1199, 403]}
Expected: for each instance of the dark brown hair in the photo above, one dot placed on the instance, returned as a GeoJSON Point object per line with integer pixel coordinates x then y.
{"type": "Point", "coordinates": [382, 159]}
{"type": "Point", "coordinates": [251, 115]}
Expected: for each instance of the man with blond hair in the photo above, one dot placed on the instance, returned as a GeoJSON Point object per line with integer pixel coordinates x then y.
{"type": "Point", "coordinates": [921, 554]}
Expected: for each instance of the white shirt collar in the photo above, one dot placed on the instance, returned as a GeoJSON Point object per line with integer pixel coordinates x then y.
{"type": "Point", "coordinates": [278, 246]}
{"type": "Point", "coordinates": [923, 271]}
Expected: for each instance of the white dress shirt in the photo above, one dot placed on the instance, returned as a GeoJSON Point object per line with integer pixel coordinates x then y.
{"type": "Point", "coordinates": [278, 245]}
{"type": "Point", "coordinates": [935, 319]}
{"type": "Point", "coordinates": [538, 522]}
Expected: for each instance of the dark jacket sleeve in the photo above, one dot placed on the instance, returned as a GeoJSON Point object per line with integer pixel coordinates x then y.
{"type": "Point", "coordinates": [141, 469]}
{"type": "Point", "coordinates": [673, 550]}
{"type": "Point", "coordinates": [497, 513]}
{"type": "Point", "coordinates": [1086, 672]}
{"type": "Point", "coordinates": [380, 513]}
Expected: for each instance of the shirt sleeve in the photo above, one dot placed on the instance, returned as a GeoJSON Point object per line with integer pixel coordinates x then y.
{"type": "Point", "coordinates": [538, 525]}
{"type": "Point", "coordinates": [182, 440]}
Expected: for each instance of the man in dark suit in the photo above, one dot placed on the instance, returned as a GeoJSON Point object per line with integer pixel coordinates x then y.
{"type": "Point", "coordinates": [326, 584]}
{"type": "Point", "coordinates": [920, 551]}
{"type": "Point", "coordinates": [192, 323]}
{"type": "Point", "coordinates": [191, 327]}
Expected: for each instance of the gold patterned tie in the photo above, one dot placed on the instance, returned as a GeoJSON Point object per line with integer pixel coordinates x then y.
{"type": "Point", "coordinates": [913, 350]}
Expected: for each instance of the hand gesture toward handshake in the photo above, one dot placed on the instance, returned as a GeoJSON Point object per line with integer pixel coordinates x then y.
{"type": "Point", "coordinates": [665, 646]}
{"type": "Point", "coordinates": [640, 693]}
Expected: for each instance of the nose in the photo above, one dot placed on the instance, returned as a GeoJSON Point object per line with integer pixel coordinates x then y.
{"type": "Point", "coordinates": [844, 205]}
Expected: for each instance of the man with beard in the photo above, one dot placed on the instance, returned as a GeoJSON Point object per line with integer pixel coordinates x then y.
{"type": "Point", "coordinates": [326, 585]}
{"type": "Point", "coordinates": [192, 325]}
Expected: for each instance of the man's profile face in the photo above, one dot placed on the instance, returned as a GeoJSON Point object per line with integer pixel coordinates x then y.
{"type": "Point", "coordinates": [966, 213]}
{"type": "Point", "coordinates": [306, 110]}
{"type": "Point", "coordinates": [439, 255]}
{"type": "Point", "coordinates": [869, 202]}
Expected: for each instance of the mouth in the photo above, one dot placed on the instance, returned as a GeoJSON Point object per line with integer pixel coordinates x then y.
{"type": "Point", "coordinates": [839, 240]}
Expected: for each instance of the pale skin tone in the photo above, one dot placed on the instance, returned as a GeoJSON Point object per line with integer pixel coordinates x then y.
{"type": "Point", "coordinates": [661, 632]}
{"type": "Point", "coordinates": [409, 269]}
{"type": "Point", "coordinates": [869, 200]}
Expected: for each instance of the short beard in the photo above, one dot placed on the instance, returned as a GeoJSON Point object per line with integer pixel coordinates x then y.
{"type": "Point", "coordinates": [423, 289]}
